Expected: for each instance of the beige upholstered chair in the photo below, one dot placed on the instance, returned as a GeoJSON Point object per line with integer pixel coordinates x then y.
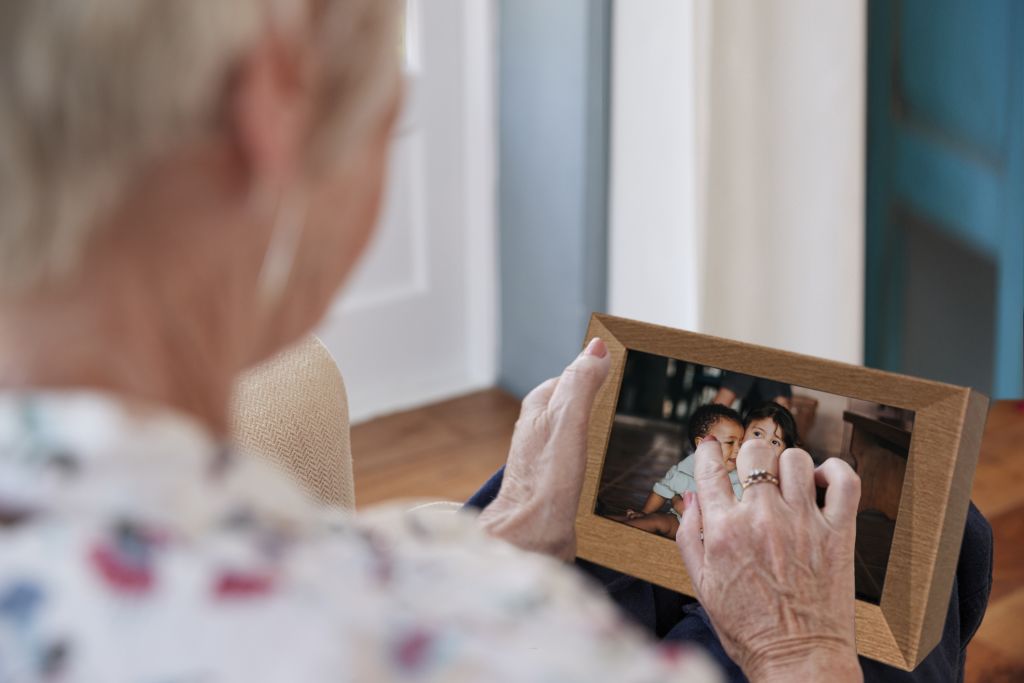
{"type": "Point", "coordinates": [292, 410]}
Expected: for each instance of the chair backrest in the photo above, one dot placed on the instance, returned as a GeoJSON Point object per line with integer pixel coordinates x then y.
{"type": "Point", "coordinates": [292, 410]}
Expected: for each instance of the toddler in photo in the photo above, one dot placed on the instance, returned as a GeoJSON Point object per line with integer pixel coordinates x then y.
{"type": "Point", "coordinates": [772, 423]}
{"type": "Point", "coordinates": [709, 420]}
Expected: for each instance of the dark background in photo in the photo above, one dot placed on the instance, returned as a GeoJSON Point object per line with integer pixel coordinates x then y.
{"type": "Point", "coordinates": [649, 436]}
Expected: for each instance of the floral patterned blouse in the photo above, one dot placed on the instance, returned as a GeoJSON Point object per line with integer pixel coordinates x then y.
{"type": "Point", "coordinates": [135, 547]}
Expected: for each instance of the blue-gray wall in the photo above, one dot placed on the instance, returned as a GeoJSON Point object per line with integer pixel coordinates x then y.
{"type": "Point", "coordinates": [552, 188]}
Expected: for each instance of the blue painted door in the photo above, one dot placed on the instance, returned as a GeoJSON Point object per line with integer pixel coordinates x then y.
{"type": "Point", "coordinates": [945, 191]}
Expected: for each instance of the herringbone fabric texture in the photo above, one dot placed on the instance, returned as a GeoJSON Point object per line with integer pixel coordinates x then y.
{"type": "Point", "coordinates": [292, 410]}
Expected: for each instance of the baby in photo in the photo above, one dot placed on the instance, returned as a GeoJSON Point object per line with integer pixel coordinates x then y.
{"type": "Point", "coordinates": [710, 420]}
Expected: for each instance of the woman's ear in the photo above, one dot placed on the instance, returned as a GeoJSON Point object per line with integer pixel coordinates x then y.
{"type": "Point", "coordinates": [269, 109]}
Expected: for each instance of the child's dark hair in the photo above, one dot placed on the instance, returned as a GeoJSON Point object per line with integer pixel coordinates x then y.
{"type": "Point", "coordinates": [779, 416]}
{"type": "Point", "coordinates": [705, 417]}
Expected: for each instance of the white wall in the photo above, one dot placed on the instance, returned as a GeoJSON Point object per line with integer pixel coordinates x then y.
{"type": "Point", "coordinates": [738, 157]}
{"type": "Point", "coordinates": [785, 207]}
{"type": "Point", "coordinates": [655, 166]}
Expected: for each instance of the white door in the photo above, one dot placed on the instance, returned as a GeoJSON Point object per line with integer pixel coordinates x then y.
{"type": "Point", "coordinates": [417, 322]}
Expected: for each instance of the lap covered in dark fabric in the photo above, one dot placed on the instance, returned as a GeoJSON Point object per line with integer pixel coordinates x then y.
{"type": "Point", "coordinates": [671, 616]}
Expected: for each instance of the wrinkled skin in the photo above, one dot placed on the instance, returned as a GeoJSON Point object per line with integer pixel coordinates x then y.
{"type": "Point", "coordinates": [775, 572]}
{"type": "Point", "coordinates": [536, 507]}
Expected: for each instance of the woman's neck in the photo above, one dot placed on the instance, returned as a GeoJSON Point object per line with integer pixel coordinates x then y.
{"type": "Point", "coordinates": [166, 308]}
{"type": "Point", "coordinates": [118, 340]}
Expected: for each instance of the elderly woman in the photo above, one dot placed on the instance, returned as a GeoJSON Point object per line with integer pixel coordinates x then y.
{"type": "Point", "coordinates": [183, 188]}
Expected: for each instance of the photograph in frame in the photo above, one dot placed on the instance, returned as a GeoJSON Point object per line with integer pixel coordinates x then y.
{"type": "Point", "coordinates": [667, 407]}
{"type": "Point", "coordinates": [915, 441]}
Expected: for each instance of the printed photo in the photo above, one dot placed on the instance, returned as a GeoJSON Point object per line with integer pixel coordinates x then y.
{"type": "Point", "coordinates": [667, 407]}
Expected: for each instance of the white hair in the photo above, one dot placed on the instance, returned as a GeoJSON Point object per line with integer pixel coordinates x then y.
{"type": "Point", "coordinates": [91, 90]}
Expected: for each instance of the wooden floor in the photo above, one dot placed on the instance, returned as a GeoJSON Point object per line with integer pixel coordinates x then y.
{"type": "Point", "coordinates": [445, 451]}
{"type": "Point", "coordinates": [997, 652]}
{"type": "Point", "coordinates": [441, 452]}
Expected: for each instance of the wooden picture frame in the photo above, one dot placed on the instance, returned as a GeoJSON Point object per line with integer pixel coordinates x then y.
{"type": "Point", "coordinates": [908, 621]}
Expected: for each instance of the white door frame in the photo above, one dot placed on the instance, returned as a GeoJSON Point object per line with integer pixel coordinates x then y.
{"type": "Point", "coordinates": [418, 323]}
{"type": "Point", "coordinates": [481, 163]}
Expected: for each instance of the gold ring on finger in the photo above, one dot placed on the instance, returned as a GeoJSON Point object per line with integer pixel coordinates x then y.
{"type": "Point", "coordinates": [759, 477]}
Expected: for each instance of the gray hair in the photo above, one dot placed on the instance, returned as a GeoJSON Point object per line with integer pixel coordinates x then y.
{"type": "Point", "coordinates": [92, 90]}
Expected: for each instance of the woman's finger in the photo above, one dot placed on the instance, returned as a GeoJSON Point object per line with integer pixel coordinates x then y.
{"type": "Point", "coordinates": [842, 491]}
{"type": "Point", "coordinates": [573, 396]}
{"type": "Point", "coordinates": [525, 447]}
{"type": "Point", "coordinates": [796, 476]}
{"type": "Point", "coordinates": [568, 415]}
{"type": "Point", "coordinates": [713, 485]}
{"type": "Point", "coordinates": [688, 538]}
{"type": "Point", "coordinates": [756, 454]}
{"type": "Point", "coordinates": [539, 397]}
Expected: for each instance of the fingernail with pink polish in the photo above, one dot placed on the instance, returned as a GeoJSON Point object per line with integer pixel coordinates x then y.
{"type": "Point", "coordinates": [596, 348]}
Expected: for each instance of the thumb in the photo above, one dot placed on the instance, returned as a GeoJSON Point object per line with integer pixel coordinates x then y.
{"type": "Point", "coordinates": [569, 415]}
{"type": "Point", "coordinates": [580, 381]}
{"type": "Point", "coordinates": [689, 539]}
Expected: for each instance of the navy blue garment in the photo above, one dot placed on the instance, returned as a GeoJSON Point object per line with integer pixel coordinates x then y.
{"type": "Point", "coordinates": [672, 616]}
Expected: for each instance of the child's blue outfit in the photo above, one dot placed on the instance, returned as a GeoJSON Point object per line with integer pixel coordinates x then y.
{"type": "Point", "coordinates": [680, 479]}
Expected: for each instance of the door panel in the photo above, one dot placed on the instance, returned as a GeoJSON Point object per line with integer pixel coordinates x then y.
{"type": "Point", "coordinates": [954, 67]}
{"type": "Point", "coordinates": [945, 238]}
{"type": "Point", "coordinates": [933, 301]}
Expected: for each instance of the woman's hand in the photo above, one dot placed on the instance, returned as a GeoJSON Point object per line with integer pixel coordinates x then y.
{"type": "Point", "coordinates": [775, 572]}
{"type": "Point", "coordinates": [536, 507]}
{"type": "Point", "coordinates": [633, 514]}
